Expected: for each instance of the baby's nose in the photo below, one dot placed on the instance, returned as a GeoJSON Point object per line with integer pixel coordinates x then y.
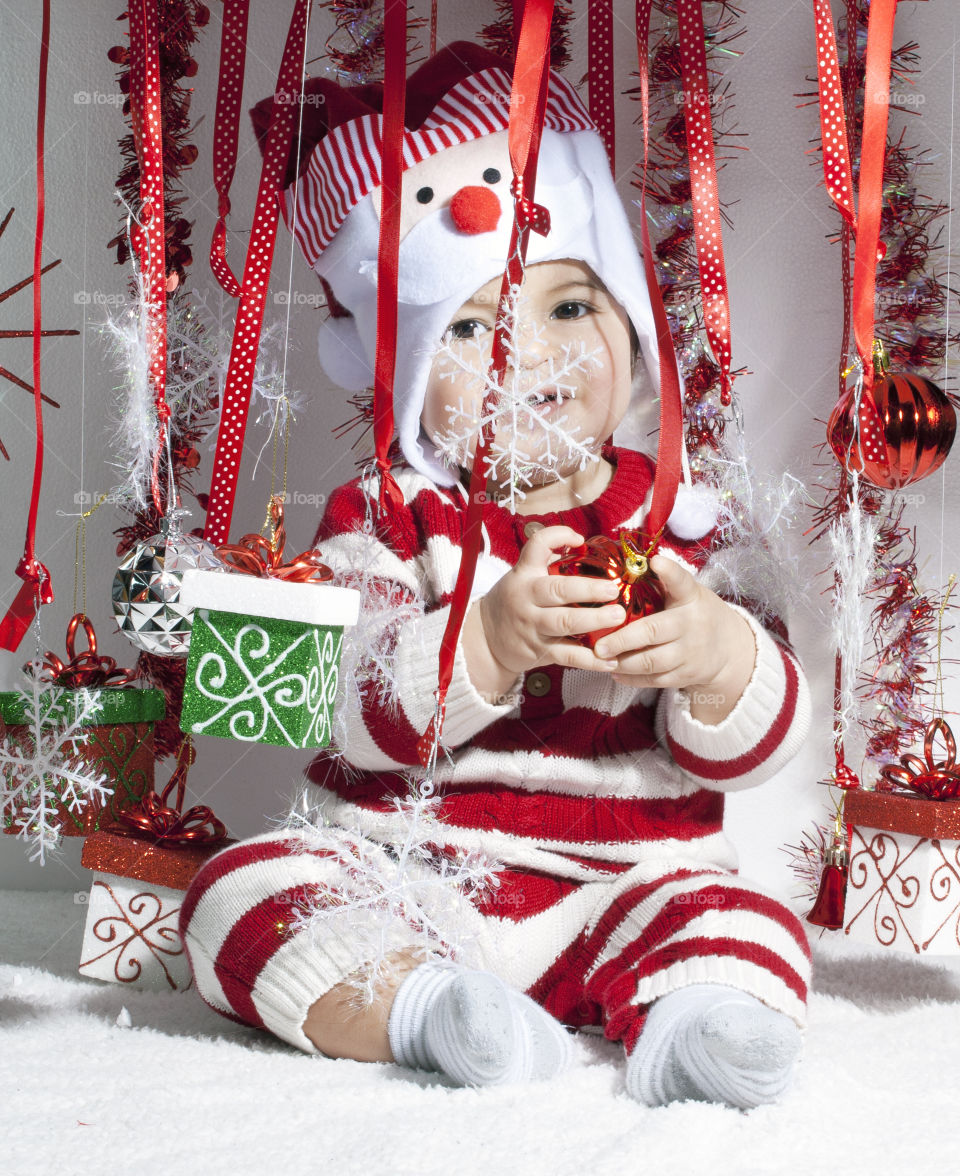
{"type": "Point", "coordinates": [475, 209]}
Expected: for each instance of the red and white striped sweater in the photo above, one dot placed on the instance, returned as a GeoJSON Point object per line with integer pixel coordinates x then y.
{"type": "Point", "coordinates": [578, 776]}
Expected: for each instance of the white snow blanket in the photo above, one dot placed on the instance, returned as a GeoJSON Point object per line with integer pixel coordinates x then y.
{"type": "Point", "coordinates": [167, 1086]}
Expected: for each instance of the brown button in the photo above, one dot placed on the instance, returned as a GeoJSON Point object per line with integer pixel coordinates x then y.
{"type": "Point", "coordinates": [538, 684]}
{"type": "Point", "coordinates": [531, 529]}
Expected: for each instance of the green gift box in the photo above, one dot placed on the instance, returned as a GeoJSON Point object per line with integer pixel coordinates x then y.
{"type": "Point", "coordinates": [264, 657]}
{"type": "Point", "coordinates": [119, 745]}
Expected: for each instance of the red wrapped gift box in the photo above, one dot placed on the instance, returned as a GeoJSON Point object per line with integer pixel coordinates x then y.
{"type": "Point", "coordinates": [903, 888]}
{"type": "Point", "coordinates": [131, 934]}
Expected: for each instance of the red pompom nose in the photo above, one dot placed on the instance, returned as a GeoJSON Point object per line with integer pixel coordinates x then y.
{"type": "Point", "coordinates": [475, 210]}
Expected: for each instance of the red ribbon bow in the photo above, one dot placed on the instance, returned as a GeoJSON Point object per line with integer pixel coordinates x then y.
{"type": "Point", "coordinates": [256, 556]}
{"type": "Point", "coordinates": [933, 779]}
{"type": "Point", "coordinates": [88, 669]}
{"type": "Point", "coordinates": [530, 215]}
{"type": "Point", "coordinates": [152, 817]}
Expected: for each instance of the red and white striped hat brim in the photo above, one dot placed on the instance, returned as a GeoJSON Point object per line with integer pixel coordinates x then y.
{"type": "Point", "coordinates": [345, 165]}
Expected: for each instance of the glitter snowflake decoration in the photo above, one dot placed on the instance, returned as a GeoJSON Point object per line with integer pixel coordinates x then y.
{"type": "Point", "coordinates": [42, 767]}
{"type": "Point", "coordinates": [388, 898]}
{"type": "Point", "coordinates": [531, 434]}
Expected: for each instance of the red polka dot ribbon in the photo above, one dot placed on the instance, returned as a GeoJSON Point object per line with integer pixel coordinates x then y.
{"type": "Point", "coordinates": [669, 471]}
{"type": "Point", "coordinates": [864, 222]}
{"type": "Point", "coordinates": [388, 245]}
{"type": "Point", "coordinates": [600, 72]}
{"type": "Point", "coordinates": [36, 588]}
{"type": "Point", "coordinates": [704, 197]}
{"type": "Point", "coordinates": [233, 53]}
{"type": "Point", "coordinates": [235, 404]}
{"type": "Point", "coordinates": [147, 238]}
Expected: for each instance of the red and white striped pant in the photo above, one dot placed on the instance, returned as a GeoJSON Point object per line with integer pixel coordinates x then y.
{"type": "Point", "coordinates": [593, 953]}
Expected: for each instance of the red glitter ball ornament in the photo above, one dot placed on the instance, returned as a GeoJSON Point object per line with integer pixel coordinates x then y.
{"type": "Point", "coordinates": [620, 560]}
{"type": "Point", "coordinates": [918, 423]}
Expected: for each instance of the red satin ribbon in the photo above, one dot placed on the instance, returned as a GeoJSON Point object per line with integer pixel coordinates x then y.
{"type": "Point", "coordinates": [88, 669]}
{"type": "Point", "coordinates": [528, 98]}
{"type": "Point", "coordinates": [670, 442]}
{"type": "Point", "coordinates": [235, 405]}
{"type": "Point", "coordinates": [704, 197]}
{"type": "Point", "coordinates": [37, 588]}
{"type": "Point", "coordinates": [148, 238]}
{"type": "Point", "coordinates": [388, 246]}
{"type": "Point", "coordinates": [152, 817]}
{"type": "Point", "coordinates": [233, 52]}
{"type": "Point", "coordinates": [863, 222]}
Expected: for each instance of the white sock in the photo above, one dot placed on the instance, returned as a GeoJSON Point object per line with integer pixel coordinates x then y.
{"type": "Point", "coordinates": [712, 1043]}
{"type": "Point", "coordinates": [473, 1028]}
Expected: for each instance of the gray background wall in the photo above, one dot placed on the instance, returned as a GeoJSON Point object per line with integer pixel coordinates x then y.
{"type": "Point", "coordinates": [785, 297]}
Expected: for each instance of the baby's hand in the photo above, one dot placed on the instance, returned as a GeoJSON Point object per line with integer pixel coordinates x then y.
{"type": "Point", "coordinates": [698, 643]}
{"type": "Point", "coordinates": [529, 616]}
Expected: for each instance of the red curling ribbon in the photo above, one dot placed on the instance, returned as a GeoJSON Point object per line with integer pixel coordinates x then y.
{"type": "Point", "coordinates": [89, 668]}
{"type": "Point", "coordinates": [929, 777]}
{"type": "Point", "coordinates": [37, 588]}
{"type": "Point", "coordinates": [235, 404]}
{"type": "Point", "coordinates": [864, 222]}
{"type": "Point", "coordinates": [256, 556]}
{"type": "Point", "coordinates": [704, 196]}
{"type": "Point", "coordinates": [528, 100]}
{"type": "Point", "coordinates": [152, 817]}
{"type": "Point", "coordinates": [600, 77]}
{"type": "Point", "coordinates": [233, 52]}
{"type": "Point", "coordinates": [148, 238]}
{"type": "Point", "coordinates": [388, 244]}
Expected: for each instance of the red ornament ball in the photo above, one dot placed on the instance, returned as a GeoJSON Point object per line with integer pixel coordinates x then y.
{"type": "Point", "coordinates": [641, 591]}
{"type": "Point", "coordinates": [918, 422]}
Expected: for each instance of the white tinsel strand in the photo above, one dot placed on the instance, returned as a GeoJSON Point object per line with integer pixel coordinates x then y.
{"type": "Point", "coordinates": [408, 897]}
{"type": "Point", "coordinates": [754, 560]}
{"type": "Point", "coordinates": [516, 405]}
{"type": "Point", "coordinates": [853, 545]}
{"type": "Point", "coordinates": [136, 429]}
{"type": "Point", "coordinates": [43, 768]}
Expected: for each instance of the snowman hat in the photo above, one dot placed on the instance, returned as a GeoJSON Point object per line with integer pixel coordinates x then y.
{"type": "Point", "coordinates": [457, 212]}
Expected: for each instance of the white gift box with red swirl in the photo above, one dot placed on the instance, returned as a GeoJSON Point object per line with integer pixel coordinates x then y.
{"type": "Point", "coordinates": [903, 883]}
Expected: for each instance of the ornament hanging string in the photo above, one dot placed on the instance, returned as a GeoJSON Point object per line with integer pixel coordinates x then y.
{"type": "Point", "coordinates": [37, 588]}
{"type": "Point", "coordinates": [235, 405]}
{"type": "Point", "coordinates": [147, 233]}
{"type": "Point", "coordinates": [528, 98]}
{"type": "Point", "coordinates": [233, 53]}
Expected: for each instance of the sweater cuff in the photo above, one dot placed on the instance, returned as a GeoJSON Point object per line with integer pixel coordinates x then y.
{"type": "Point", "coordinates": [467, 712]}
{"type": "Point", "coordinates": [763, 731]}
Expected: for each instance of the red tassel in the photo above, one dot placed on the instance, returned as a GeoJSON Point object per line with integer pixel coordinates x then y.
{"type": "Point", "coordinates": [829, 905]}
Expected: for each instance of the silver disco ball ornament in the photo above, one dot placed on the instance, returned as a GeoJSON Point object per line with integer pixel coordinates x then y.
{"type": "Point", "coordinates": [146, 588]}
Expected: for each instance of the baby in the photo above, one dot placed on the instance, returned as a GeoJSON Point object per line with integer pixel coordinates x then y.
{"type": "Point", "coordinates": [594, 777]}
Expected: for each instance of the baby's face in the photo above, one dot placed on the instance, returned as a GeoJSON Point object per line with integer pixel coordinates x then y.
{"type": "Point", "coordinates": [564, 312]}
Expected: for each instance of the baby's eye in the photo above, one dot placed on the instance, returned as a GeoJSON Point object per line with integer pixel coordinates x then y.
{"type": "Point", "coordinates": [573, 310]}
{"type": "Point", "coordinates": [465, 329]}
